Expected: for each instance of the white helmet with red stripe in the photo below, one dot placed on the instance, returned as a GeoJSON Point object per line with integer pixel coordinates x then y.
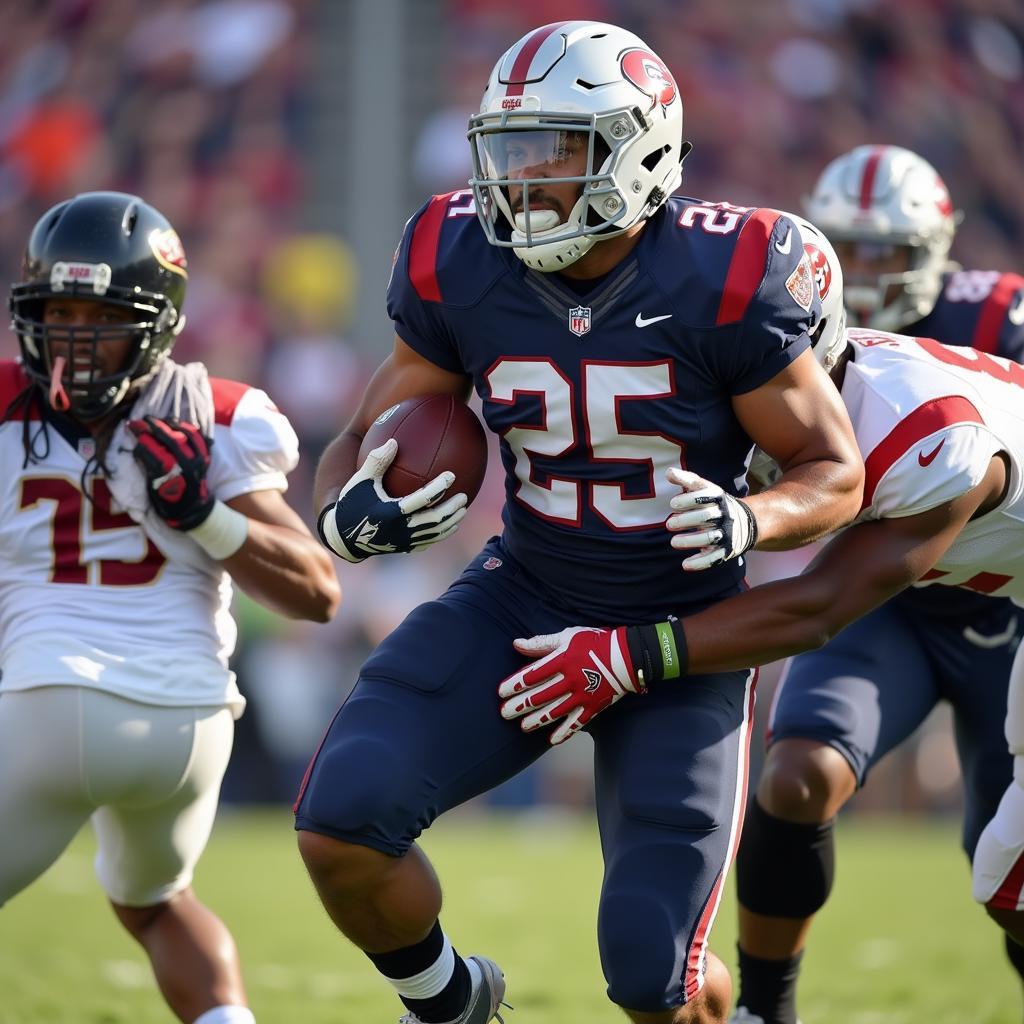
{"type": "Point", "coordinates": [828, 339]}
{"type": "Point", "coordinates": [565, 92]}
{"type": "Point", "coordinates": [873, 202]}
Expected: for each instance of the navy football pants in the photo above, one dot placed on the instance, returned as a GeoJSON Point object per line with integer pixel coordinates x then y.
{"type": "Point", "coordinates": [422, 733]}
{"type": "Point", "coordinates": [872, 685]}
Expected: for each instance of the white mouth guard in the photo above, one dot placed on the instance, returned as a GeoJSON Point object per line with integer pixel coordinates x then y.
{"type": "Point", "coordinates": [538, 220]}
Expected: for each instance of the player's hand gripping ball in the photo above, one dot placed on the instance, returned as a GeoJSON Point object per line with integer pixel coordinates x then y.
{"type": "Point", "coordinates": [412, 455]}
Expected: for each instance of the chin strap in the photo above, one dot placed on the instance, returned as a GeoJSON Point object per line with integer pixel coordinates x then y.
{"type": "Point", "coordinates": [58, 396]}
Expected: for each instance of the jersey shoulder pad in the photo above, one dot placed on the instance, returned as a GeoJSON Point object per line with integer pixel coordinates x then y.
{"type": "Point", "coordinates": [13, 380]}
{"type": "Point", "coordinates": [255, 446]}
{"type": "Point", "coordinates": [980, 308]}
{"type": "Point", "coordinates": [931, 470]}
{"type": "Point", "coordinates": [226, 396]}
{"type": "Point", "coordinates": [445, 253]}
{"type": "Point", "coordinates": [724, 256]}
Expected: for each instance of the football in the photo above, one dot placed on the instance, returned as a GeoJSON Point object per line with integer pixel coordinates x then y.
{"type": "Point", "coordinates": [434, 433]}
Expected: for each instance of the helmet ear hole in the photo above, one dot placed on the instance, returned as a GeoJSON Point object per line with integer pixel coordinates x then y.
{"type": "Point", "coordinates": [650, 161]}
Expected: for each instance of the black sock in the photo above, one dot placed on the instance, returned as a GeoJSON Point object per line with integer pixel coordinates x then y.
{"type": "Point", "coordinates": [405, 963]}
{"type": "Point", "coordinates": [768, 987]}
{"type": "Point", "coordinates": [1015, 954]}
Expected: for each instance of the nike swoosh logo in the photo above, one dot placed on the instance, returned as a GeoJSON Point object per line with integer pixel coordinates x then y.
{"type": "Point", "coordinates": [927, 460]}
{"type": "Point", "coordinates": [642, 321]}
{"type": "Point", "coordinates": [786, 244]}
{"type": "Point", "coordinates": [1016, 313]}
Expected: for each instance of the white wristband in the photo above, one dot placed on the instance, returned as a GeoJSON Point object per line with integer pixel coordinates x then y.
{"type": "Point", "coordinates": [222, 533]}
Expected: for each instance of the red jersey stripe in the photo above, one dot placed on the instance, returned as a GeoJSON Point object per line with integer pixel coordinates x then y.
{"type": "Point", "coordinates": [1008, 895]}
{"type": "Point", "coordinates": [993, 313]}
{"type": "Point", "coordinates": [423, 249]}
{"type": "Point", "coordinates": [867, 183]}
{"type": "Point", "coordinates": [924, 420]}
{"type": "Point", "coordinates": [226, 396]}
{"type": "Point", "coordinates": [520, 72]}
{"type": "Point", "coordinates": [986, 582]}
{"type": "Point", "coordinates": [13, 380]}
{"type": "Point", "coordinates": [747, 266]}
{"type": "Point", "coordinates": [696, 951]}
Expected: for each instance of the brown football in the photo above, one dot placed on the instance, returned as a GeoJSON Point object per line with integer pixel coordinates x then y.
{"type": "Point", "coordinates": [434, 433]}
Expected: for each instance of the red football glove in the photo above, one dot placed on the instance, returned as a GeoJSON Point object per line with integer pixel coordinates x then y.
{"type": "Point", "coordinates": [582, 671]}
{"type": "Point", "coordinates": [175, 458]}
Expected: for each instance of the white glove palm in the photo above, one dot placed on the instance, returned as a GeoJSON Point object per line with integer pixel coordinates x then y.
{"type": "Point", "coordinates": [707, 520]}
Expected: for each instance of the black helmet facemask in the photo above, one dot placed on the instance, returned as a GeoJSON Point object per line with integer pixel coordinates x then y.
{"type": "Point", "coordinates": [117, 250]}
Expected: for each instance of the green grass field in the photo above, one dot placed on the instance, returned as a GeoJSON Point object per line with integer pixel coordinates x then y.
{"type": "Point", "coordinates": [899, 943]}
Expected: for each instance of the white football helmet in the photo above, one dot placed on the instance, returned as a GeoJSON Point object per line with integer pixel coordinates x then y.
{"type": "Point", "coordinates": [828, 339]}
{"type": "Point", "coordinates": [575, 84]}
{"type": "Point", "coordinates": [890, 198]}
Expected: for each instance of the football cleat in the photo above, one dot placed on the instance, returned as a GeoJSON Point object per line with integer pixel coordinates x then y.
{"type": "Point", "coordinates": [486, 995]}
{"type": "Point", "coordinates": [743, 1016]}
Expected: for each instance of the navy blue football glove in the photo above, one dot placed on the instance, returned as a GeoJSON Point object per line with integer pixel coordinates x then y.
{"type": "Point", "coordinates": [366, 520]}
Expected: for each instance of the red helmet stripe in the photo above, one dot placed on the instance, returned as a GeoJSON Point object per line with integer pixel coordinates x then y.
{"type": "Point", "coordinates": [994, 311]}
{"type": "Point", "coordinates": [746, 268]}
{"type": "Point", "coordinates": [521, 67]}
{"type": "Point", "coordinates": [867, 183]}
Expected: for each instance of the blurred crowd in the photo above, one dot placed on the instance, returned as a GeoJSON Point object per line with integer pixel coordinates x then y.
{"type": "Point", "coordinates": [204, 108]}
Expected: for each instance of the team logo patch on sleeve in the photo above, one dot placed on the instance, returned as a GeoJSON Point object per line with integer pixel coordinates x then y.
{"type": "Point", "coordinates": [579, 320]}
{"type": "Point", "coordinates": [800, 284]}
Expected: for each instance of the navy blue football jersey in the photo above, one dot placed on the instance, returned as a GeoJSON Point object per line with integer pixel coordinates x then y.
{"type": "Point", "coordinates": [983, 309]}
{"type": "Point", "coordinates": [980, 308]}
{"type": "Point", "coordinates": [595, 394]}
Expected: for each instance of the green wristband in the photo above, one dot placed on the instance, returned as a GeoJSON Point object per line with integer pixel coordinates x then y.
{"type": "Point", "coordinates": [667, 647]}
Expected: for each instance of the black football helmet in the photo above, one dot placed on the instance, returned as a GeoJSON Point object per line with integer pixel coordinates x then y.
{"type": "Point", "coordinates": [114, 248]}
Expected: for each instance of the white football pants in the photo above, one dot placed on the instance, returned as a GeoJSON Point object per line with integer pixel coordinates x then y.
{"type": "Point", "coordinates": [148, 777]}
{"type": "Point", "coordinates": [998, 869]}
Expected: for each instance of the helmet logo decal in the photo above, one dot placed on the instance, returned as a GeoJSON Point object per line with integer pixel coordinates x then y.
{"type": "Point", "coordinates": [650, 75]}
{"type": "Point", "coordinates": [65, 274]}
{"type": "Point", "coordinates": [942, 199]}
{"type": "Point", "coordinates": [820, 268]}
{"type": "Point", "coordinates": [168, 250]}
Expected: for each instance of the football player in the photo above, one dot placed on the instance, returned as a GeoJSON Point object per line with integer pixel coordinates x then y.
{"type": "Point", "coordinates": [611, 333]}
{"type": "Point", "coordinates": [136, 489]}
{"type": "Point", "coordinates": [942, 433]}
{"type": "Point", "coordinates": [841, 709]}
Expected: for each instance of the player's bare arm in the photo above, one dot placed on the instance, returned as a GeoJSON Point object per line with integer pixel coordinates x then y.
{"type": "Point", "coordinates": [855, 572]}
{"type": "Point", "coordinates": [357, 517]}
{"type": "Point", "coordinates": [799, 419]}
{"type": "Point", "coordinates": [582, 671]}
{"type": "Point", "coordinates": [281, 565]}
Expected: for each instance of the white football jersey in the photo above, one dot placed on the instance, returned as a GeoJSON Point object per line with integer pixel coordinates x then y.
{"type": "Point", "coordinates": [86, 598]}
{"type": "Point", "coordinates": [928, 419]}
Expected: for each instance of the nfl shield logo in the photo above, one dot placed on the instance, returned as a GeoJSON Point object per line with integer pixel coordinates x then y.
{"type": "Point", "coordinates": [579, 320]}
